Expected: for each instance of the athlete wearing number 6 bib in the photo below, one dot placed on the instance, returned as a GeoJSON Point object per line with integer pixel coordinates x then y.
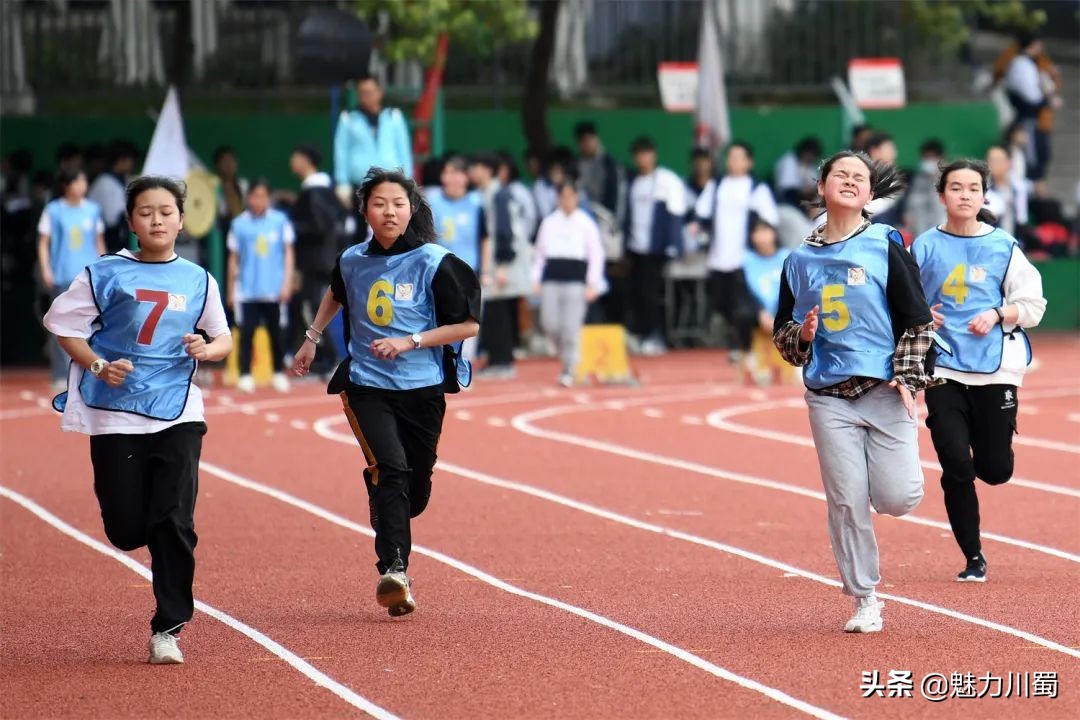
{"type": "Point", "coordinates": [408, 303]}
{"type": "Point", "coordinates": [987, 292]}
{"type": "Point", "coordinates": [129, 322]}
{"type": "Point", "coordinates": [853, 315]}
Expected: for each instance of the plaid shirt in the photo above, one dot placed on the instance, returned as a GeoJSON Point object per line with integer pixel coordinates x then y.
{"type": "Point", "coordinates": [909, 360]}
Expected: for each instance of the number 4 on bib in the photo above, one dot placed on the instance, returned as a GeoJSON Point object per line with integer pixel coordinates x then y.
{"type": "Point", "coordinates": [955, 285]}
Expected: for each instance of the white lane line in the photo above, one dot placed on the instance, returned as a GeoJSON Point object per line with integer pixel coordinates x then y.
{"type": "Point", "coordinates": [496, 422]}
{"type": "Point", "coordinates": [37, 410]}
{"type": "Point", "coordinates": [1046, 444]}
{"type": "Point", "coordinates": [298, 425]}
{"type": "Point", "coordinates": [692, 420]}
{"type": "Point", "coordinates": [295, 661]}
{"type": "Point", "coordinates": [1073, 417]}
{"type": "Point", "coordinates": [1043, 394]}
{"type": "Point", "coordinates": [463, 415]}
{"type": "Point", "coordinates": [27, 395]}
{"type": "Point", "coordinates": [272, 417]}
{"type": "Point", "coordinates": [323, 426]}
{"type": "Point", "coordinates": [655, 413]}
{"type": "Point", "coordinates": [673, 650]}
{"type": "Point", "coordinates": [720, 419]}
{"type": "Point", "coordinates": [523, 423]}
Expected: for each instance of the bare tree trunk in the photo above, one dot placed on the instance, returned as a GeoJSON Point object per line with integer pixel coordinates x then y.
{"type": "Point", "coordinates": [184, 49]}
{"type": "Point", "coordinates": [534, 106]}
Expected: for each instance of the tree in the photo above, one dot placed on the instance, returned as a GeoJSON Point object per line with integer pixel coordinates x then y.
{"type": "Point", "coordinates": [949, 20]}
{"type": "Point", "coordinates": [534, 105]}
{"type": "Point", "coordinates": [415, 25]}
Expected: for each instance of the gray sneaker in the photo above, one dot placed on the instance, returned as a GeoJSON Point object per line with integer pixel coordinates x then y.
{"type": "Point", "coordinates": [165, 649]}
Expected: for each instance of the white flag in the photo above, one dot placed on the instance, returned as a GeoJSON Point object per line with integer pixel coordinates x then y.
{"type": "Point", "coordinates": [168, 153]}
{"type": "Point", "coordinates": [712, 127]}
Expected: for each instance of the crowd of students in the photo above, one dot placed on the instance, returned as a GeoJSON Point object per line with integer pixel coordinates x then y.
{"type": "Point", "coordinates": [281, 246]}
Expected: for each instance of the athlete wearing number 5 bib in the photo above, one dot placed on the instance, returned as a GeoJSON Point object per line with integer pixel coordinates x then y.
{"type": "Point", "coordinates": [129, 321]}
{"type": "Point", "coordinates": [408, 303]}
{"type": "Point", "coordinates": [987, 292]}
{"type": "Point", "coordinates": [853, 315]}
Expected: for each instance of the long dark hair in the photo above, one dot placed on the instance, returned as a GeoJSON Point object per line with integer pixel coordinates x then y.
{"type": "Point", "coordinates": [155, 182]}
{"type": "Point", "coordinates": [422, 223]}
{"type": "Point", "coordinates": [978, 166]}
{"type": "Point", "coordinates": [885, 179]}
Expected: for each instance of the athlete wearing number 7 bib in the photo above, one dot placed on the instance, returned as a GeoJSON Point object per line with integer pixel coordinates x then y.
{"type": "Point", "coordinates": [129, 322]}
{"type": "Point", "coordinates": [987, 292]}
{"type": "Point", "coordinates": [409, 303]}
{"type": "Point", "coordinates": [853, 315]}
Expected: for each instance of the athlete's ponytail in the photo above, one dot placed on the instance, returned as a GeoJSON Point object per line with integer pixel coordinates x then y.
{"type": "Point", "coordinates": [978, 166]}
{"type": "Point", "coordinates": [885, 179]}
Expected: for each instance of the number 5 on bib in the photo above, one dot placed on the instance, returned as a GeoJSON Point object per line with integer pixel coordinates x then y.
{"type": "Point", "coordinates": [832, 302]}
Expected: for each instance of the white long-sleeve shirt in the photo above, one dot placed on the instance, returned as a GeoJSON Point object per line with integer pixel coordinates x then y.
{"type": "Point", "coordinates": [568, 249]}
{"type": "Point", "coordinates": [72, 314]}
{"type": "Point", "coordinates": [1022, 287]}
{"type": "Point", "coordinates": [1022, 78]}
{"type": "Point", "coordinates": [729, 204]}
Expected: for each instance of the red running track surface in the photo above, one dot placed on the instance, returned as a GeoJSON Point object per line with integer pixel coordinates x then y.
{"type": "Point", "coordinates": [596, 552]}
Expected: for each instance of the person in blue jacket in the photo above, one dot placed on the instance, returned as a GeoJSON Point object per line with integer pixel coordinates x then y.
{"type": "Point", "coordinates": [987, 292]}
{"type": "Point", "coordinates": [369, 136]}
{"type": "Point", "coordinates": [408, 303]}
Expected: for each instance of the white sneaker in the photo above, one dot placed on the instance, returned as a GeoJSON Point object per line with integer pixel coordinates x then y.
{"type": "Point", "coordinates": [653, 348]}
{"type": "Point", "coordinates": [566, 380]}
{"type": "Point", "coordinates": [246, 384]}
{"type": "Point", "coordinates": [867, 617]}
{"type": "Point", "coordinates": [165, 650]}
{"type": "Point", "coordinates": [280, 382]}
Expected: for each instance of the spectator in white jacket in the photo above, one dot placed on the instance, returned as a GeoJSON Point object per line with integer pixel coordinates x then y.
{"type": "Point", "coordinates": [567, 274]}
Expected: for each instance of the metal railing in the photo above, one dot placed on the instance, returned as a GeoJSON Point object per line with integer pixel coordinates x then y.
{"type": "Point", "coordinates": [771, 48]}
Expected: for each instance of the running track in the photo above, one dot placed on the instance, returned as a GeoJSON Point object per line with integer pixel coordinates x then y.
{"type": "Point", "coordinates": [607, 553]}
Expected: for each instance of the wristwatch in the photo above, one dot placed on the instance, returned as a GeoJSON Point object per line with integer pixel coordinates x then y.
{"type": "Point", "coordinates": [416, 340]}
{"type": "Point", "coordinates": [98, 366]}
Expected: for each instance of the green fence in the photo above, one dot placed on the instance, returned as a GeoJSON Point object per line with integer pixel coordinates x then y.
{"type": "Point", "coordinates": [263, 141]}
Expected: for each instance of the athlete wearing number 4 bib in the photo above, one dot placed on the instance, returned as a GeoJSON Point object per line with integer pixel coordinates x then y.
{"type": "Point", "coordinates": [129, 323]}
{"type": "Point", "coordinates": [853, 314]}
{"type": "Point", "coordinates": [409, 303]}
{"type": "Point", "coordinates": [987, 292]}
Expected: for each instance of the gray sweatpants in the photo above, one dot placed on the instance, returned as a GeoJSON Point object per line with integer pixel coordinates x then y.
{"type": "Point", "coordinates": [562, 313]}
{"type": "Point", "coordinates": [868, 452]}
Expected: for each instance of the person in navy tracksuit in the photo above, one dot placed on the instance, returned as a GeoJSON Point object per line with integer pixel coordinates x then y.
{"type": "Point", "coordinates": [653, 235]}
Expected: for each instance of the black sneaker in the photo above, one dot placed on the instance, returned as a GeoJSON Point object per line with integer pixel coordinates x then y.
{"type": "Point", "coordinates": [975, 570]}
